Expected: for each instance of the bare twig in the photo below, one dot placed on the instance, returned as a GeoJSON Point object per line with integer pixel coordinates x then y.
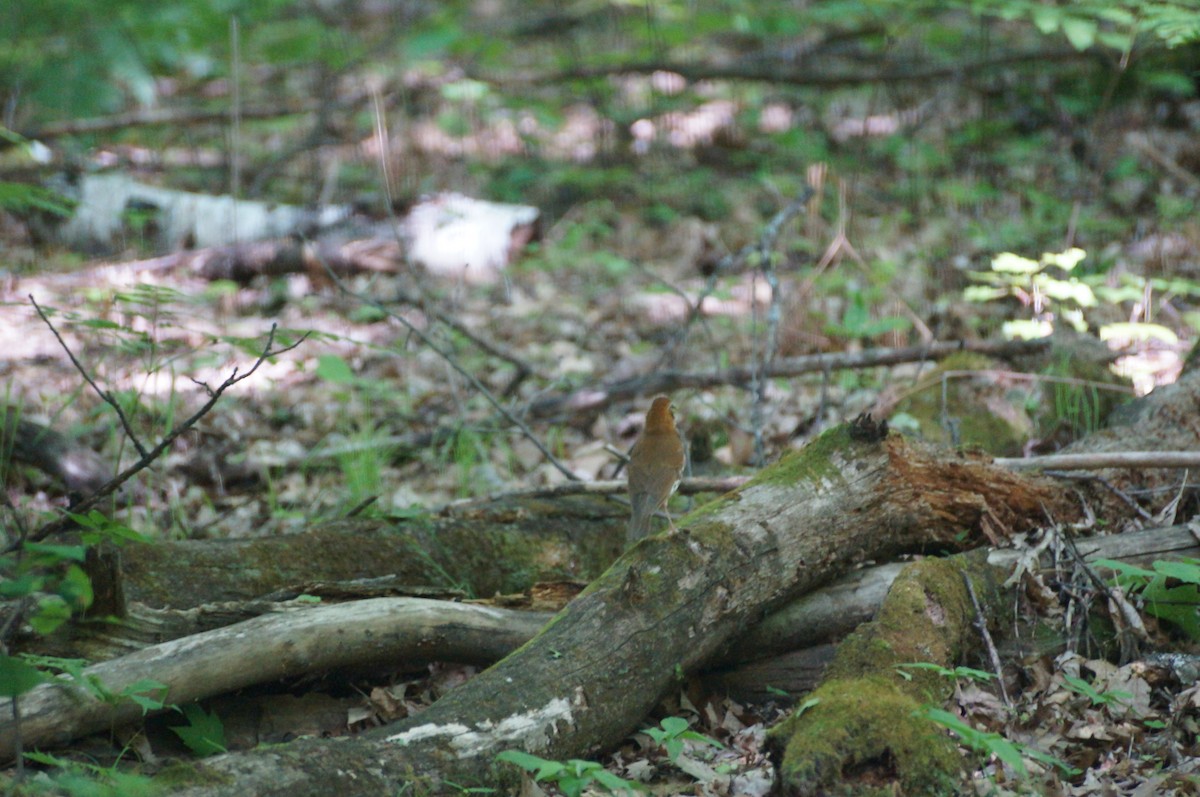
{"type": "Point", "coordinates": [64, 522]}
{"type": "Point", "coordinates": [524, 368]}
{"type": "Point", "coordinates": [104, 395]}
{"type": "Point", "coordinates": [687, 486]}
{"type": "Point", "coordinates": [765, 251]}
{"type": "Point", "coordinates": [981, 626]}
{"type": "Point", "coordinates": [1105, 459]}
{"type": "Point", "coordinates": [666, 381]}
{"type": "Point", "coordinates": [731, 263]}
{"type": "Point", "coordinates": [1124, 497]}
{"type": "Point", "coordinates": [803, 76]}
{"type": "Point", "coordinates": [153, 117]}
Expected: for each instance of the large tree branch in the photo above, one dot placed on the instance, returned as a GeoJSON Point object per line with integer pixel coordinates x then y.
{"type": "Point", "coordinates": [666, 607]}
{"type": "Point", "coordinates": [297, 640]}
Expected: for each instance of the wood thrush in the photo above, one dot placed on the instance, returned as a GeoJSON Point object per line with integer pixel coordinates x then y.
{"type": "Point", "coordinates": [655, 467]}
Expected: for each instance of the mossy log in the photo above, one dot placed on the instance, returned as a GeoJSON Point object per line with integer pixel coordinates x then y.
{"type": "Point", "coordinates": [480, 551]}
{"type": "Point", "coordinates": [676, 601]}
{"type": "Point", "coordinates": [664, 608]}
{"type": "Point", "coordinates": [673, 601]}
{"type": "Point", "coordinates": [863, 723]}
{"type": "Point", "coordinates": [296, 639]}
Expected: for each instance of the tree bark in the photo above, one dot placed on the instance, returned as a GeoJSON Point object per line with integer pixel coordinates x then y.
{"type": "Point", "coordinates": [663, 609]}
{"type": "Point", "coordinates": [269, 648]}
{"type": "Point", "coordinates": [674, 601]}
{"type": "Point", "coordinates": [296, 640]}
{"type": "Point", "coordinates": [504, 548]}
{"type": "Point", "coordinates": [865, 718]}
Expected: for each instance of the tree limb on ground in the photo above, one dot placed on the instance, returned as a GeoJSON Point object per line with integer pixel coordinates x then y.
{"type": "Point", "coordinates": [80, 469]}
{"type": "Point", "coordinates": [666, 607]}
{"type": "Point", "coordinates": [295, 640]}
{"type": "Point", "coordinates": [776, 73]}
{"type": "Point", "coordinates": [674, 601]}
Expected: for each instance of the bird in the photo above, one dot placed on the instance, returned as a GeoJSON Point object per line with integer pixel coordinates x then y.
{"type": "Point", "coordinates": [656, 464]}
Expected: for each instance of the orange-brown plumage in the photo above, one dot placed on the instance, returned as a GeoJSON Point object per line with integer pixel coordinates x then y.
{"type": "Point", "coordinates": [655, 466]}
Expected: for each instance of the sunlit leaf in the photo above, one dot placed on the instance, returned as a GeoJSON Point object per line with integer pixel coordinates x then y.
{"type": "Point", "coordinates": [1080, 32]}
{"type": "Point", "coordinates": [1026, 330]}
{"type": "Point", "coordinates": [1010, 263]}
{"type": "Point", "coordinates": [1065, 260]}
{"type": "Point", "coordinates": [1129, 330]}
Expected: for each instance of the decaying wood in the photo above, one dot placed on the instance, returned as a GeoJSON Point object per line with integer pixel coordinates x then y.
{"type": "Point", "coordinates": [673, 601]}
{"type": "Point", "coordinates": [797, 631]}
{"type": "Point", "coordinates": [292, 640]}
{"type": "Point", "coordinates": [864, 717]}
{"type": "Point", "coordinates": [1113, 459]}
{"type": "Point", "coordinates": [667, 381]}
{"type": "Point", "coordinates": [669, 604]}
{"type": "Point", "coordinates": [273, 647]}
{"type": "Point", "coordinates": [243, 262]}
{"type": "Point", "coordinates": [479, 550]}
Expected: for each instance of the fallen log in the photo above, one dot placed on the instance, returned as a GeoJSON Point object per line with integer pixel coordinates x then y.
{"type": "Point", "coordinates": [673, 601]}
{"type": "Point", "coordinates": [665, 608]}
{"type": "Point", "coordinates": [294, 639]}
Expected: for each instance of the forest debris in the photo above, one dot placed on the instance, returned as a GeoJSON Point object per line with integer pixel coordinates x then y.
{"type": "Point", "coordinates": [177, 219]}
{"type": "Point", "coordinates": [457, 236]}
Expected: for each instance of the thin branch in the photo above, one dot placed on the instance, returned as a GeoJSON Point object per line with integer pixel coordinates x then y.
{"type": "Point", "coordinates": [155, 117]}
{"type": "Point", "coordinates": [1105, 459]}
{"type": "Point", "coordinates": [105, 396]}
{"type": "Point", "coordinates": [688, 486]}
{"type": "Point", "coordinates": [666, 381]}
{"type": "Point", "coordinates": [524, 368]}
{"type": "Point", "coordinates": [980, 623]}
{"type": "Point", "coordinates": [65, 522]}
{"type": "Point", "coordinates": [1121, 495]}
{"type": "Point", "coordinates": [765, 250]}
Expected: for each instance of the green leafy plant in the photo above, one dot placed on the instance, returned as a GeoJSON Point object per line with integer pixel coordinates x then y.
{"type": "Point", "coordinates": [204, 733]}
{"type": "Point", "coordinates": [1170, 591]}
{"type": "Point", "coordinates": [671, 734]}
{"type": "Point", "coordinates": [362, 469]}
{"type": "Point", "coordinates": [571, 777]}
{"type": "Point", "coordinates": [1098, 698]}
{"type": "Point", "coordinates": [47, 581]}
{"type": "Point", "coordinates": [78, 779]}
{"type": "Point", "coordinates": [22, 198]}
{"type": "Point", "coordinates": [49, 577]}
{"type": "Point", "coordinates": [1115, 24]}
{"type": "Point", "coordinates": [957, 672]}
{"type": "Point", "coordinates": [1037, 288]}
{"type": "Point", "coordinates": [857, 324]}
{"type": "Point", "coordinates": [18, 677]}
{"type": "Point", "coordinates": [993, 744]}
{"type": "Point", "coordinates": [147, 693]}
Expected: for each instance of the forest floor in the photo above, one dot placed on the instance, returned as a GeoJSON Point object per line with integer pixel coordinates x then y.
{"type": "Point", "coordinates": [901, 227]}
